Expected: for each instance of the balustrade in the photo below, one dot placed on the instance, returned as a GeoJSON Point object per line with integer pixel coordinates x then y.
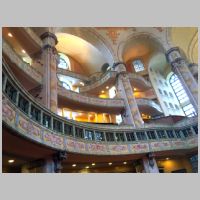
{"type": "Point", "coordinates": [22, 102]}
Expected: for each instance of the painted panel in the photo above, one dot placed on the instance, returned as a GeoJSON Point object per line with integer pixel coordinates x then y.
{"type": "Point", "coordinates": [53, 140]}
{"type": "Point", "coordinates": [139, 148]}
{"type": "Point", "coordinates": [23, 125]}
{"type": "Point", "coordinates": [178, 144]}
{"type": "Point", "coordinates": [193, 142]}
{"type": "Point", "coordinates": [118, 149]}
{"type": "Point", "coordinates": [8, 114]}
{"type": "Point", "coordinates": [97, 148]}
{"type": "Point", "coordinates": [73, 145]}
{"type": "Point", "coordinates": [156, 146]}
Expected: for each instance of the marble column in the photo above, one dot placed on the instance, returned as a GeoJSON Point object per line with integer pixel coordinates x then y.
{"type": "Point", "coordinates": [150, 165]}
{"type": "Point", "coordinates": [50, 58]}
{"type": "Point", "coordinates": [180, 68]}
{"type": "Point", "coordinates": [124, 90]}
{"type": "Point", "coordinates": [54, 164]}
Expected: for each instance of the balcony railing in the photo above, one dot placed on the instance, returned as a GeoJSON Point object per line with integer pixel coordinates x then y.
{"type": "Point", "coordinates": [30, 119]}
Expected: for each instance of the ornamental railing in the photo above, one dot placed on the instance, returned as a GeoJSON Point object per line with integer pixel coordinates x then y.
{"type": "Point", "coordinates": [22, 113]}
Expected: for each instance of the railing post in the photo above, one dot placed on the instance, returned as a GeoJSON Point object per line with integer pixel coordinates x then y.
{"type": "Point", "coordinates": [51, 122]}
{"type": "Point", "coordinates": [125, 137]}
{"type": "Point", "coordinates": [17, 98]}
{"type": "Point", "coordinates": [115, 137]}
{"type": "Point", "coordinates": [29, 109]}
{"type": "Point", "coordinates": [166, 134]}
{"type": "Point", "coordinates": [63, 127]}
{"type": "Point", "coordinates": [74, 131]}
{"type": "Point", "coordinates": [145, 132]}
{"type": "Point", "coordinates": [155, 132]}
{"type": "Point", "coordinates": [134, 133]}
{"type": "Point", "coordinates": [104, 133]}
{"type": "Point", "coordinates": [41, 118]}
{"type": "Point", "coordinates": [4, 83]}
{"type": "Point", "coordinates": [84, 133]}
{"type": "Point", "coordinates": [193, 132]}
{"type": "Point", "coordinates": [174, 133]}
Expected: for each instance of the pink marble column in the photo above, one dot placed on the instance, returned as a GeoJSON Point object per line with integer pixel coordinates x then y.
{"type": "Point", "coordinates": [49, 57]}
{"type": "Point", "coordinates": [124, 90]}
{"type": "Point", "coordinates": [180, 68]}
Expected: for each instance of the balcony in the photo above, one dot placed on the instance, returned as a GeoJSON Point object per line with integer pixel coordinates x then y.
{"type": "Point", "coordinates": [149, 106]}
{"type": "Point", "coordinates": [30, 120]}
{"type": "Point", "coordinates": [73, 100]}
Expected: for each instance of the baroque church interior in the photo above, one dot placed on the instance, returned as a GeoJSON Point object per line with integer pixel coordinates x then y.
{"type": "Point", "coordinates": [100, 100]}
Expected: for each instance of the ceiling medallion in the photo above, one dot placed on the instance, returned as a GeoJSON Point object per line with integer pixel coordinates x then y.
{"type": "Point", "coordinates": [112, 32]}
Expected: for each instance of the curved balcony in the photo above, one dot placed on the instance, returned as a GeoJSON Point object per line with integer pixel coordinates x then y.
{"type": "Point", "coordinates": [73, 100]}
{"type": "Point", "coordinates": [32, 121]}
{"type": "Point", "coordinates": [149, 106]}
{"type": "Point", "coordinates": [27, 69]}
{"type": "Point", "coordinates": [107, 78]}
{"type": "Point", "coordinates": [72, 74]}
{"type": "Point", "coordinates": [33, 36]}
{"type": "Point", "coordinates": [27, 39]}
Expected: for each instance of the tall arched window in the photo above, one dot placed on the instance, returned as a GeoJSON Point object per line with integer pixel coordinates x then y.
{"type": "Point", "coordinates": [64, 62]}
{"type": "Point", "coordinates": [182, 96]}
{"type": "Point", "coordinates": [138, 65]}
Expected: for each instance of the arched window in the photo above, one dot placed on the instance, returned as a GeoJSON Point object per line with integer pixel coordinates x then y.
{"type": "Point", "coordinates": [182, 96]}
{"type": "Point", "coordinates": [64, 62]}
{"type": "Point", "coordinates": [138, 65]}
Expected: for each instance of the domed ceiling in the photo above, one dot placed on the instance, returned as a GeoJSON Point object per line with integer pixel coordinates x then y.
{"type": "Point", "coordinates": [92, 47]}
{"type": "Point", "coordinates": [86, 54]}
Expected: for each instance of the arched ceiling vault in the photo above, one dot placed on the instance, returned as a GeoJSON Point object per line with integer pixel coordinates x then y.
{"type": "Point", "coordinates": [93, 46]}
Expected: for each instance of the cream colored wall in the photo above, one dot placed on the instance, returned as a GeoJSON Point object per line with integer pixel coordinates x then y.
{"type": "Point", "coordinates": [155, 76]}
{"type": "Point", "coordinates": [187, 39]}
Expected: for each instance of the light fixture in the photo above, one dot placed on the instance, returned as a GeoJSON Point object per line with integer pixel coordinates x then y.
{"type": "Point", "coordinates": [124, 163]}
{"type": "Point", "coordinates": [102, 91]}
{"type": "Point", "coordinates": [110, 163]}
{"type": "Point", "coordinates": [87, 167]}
{"type": "Point", "coordinates": [107, 87]}
{"type": "Point", "coordinates": [74, 165]}
{"type": "Point", "coordinates": [93, 164]}
{"type": "Point", "coordinates": [10, 35]}
{"type": "Point", "coordinates": [23, 51]}
{"type": "Point", "coordinates": [134, 89]}
{"type": "Point", "coordinates": [11, 161]}
{"type": "Point", "coordinates": [167, 158]}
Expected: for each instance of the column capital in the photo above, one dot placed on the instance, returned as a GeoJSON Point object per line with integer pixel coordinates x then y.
{"type": "Point", "coordinates": [49, 35]}
{"type": "Point", "coordinates": [173, 55]}
{"type": "Point", "coordinates": [119, 66]}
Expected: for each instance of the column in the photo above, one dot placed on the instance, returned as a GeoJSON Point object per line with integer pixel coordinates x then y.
{"type": "Point", "coordinates": [180, 68]}
{"type": "Point", "coordinates": [48, 166]}
{"type": "Point", "coordinates": [58, 158]}
{"type": "Point", "coordinates": [150, 165]}
{"type": "Point", "coordinates": [49, 57]}
{"type": "Point", "coordinates": [124, 90]}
